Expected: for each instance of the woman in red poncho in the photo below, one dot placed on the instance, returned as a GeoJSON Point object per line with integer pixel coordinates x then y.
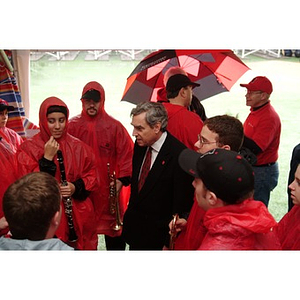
{"type": "Point", "coordinates": [40, 154]}
{"type": "Point", "coordinates": [9, 141]}
{"type": "Point", "coordinates": [288, 229]}
{"type": "Point", "coordinates": [112, 144]}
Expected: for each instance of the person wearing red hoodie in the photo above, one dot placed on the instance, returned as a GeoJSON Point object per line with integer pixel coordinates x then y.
{"type": "Point", "coordinates": [224, 132]}
{"type": "Point", "coordinates": [9, 139]}
{"type": "Point", "coordinates": [7, 177]}
{"type": "Point", "coordinates": [9, 142]}
{"type": "Point", "coordinates": [39, 153]}
{"type": "Point", "coordinates": [112, 144]}
{"type": "Point", "coordinates": [224, 186]}
{"type": "Point", "coordinates": [288, 229]}
{"type": "Point", "coordinates": [182, 123]}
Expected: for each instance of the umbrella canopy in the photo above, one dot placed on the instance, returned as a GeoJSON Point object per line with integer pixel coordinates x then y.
{"type": "Point", "coordinates": [215, 70]}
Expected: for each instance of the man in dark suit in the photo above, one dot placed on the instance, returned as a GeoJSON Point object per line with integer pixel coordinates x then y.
{"type": "Point", "coordinates": [167, 189]}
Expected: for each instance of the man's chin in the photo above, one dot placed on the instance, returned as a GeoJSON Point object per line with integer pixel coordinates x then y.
{"type": "Point", "coordinates": [140, 143]}
{"type": "Point", "coordinates": [92, 113]}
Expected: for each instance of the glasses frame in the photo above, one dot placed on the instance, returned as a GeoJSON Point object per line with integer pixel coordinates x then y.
{"type": "Point", "coordinates": [200, 140]}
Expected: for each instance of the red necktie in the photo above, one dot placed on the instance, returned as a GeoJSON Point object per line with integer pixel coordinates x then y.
{"type": "Point", "coordinates": [145, 169]}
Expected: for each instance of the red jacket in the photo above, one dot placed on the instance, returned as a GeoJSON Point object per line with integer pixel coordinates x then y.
{"type": "Point", "coordinates": [183, 124]}
{"type": "Point", "coordinates": [288, 229]}
{"type": "Point", "coordinates": [244, 226]}
{"type": "Point", "coordinates": [192, 235]}
{"type": "Point", "coordinates": [7, 177]}
{"type": "Point", "coordinates": [9, 143]}
{"type": "Point", "coordinates": [111, 144]}
{"type": "Point", "coordinates": [263, 126]}
{"type": "Point", "coordinates": [79, 162]}
{"type": "Point", "coordinates": [10, 138]}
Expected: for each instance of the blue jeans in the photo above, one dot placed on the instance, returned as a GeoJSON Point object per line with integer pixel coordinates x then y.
{"type": "Point", "coordinates": [265, 180]}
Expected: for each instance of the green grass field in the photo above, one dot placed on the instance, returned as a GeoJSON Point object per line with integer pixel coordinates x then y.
{"type": "Point", "coordinates": [65, 79]}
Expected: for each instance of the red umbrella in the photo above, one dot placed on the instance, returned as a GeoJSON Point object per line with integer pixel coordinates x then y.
{"type": "Point", "coordinates": [216, 71]}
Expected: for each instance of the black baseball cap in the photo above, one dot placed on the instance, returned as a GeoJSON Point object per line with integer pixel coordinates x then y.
{"type": "Point", "coordinates": [178, 81]}
{"type": "Point", "coordinates": [92, 94]}
{"type": "Point", "coordinates": [4, 105]}
{"type": "Point", "coordinates": [224, 172]}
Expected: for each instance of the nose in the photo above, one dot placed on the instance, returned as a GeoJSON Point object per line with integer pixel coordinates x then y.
{"type": "Point", "coordinates": [134, 133]}
{"type": "Point", "coordinates": [57, 124]}
{"type": "Point", "coordinates": [198, 145]}
{"type": "Point", "coordinates": [291, 186]}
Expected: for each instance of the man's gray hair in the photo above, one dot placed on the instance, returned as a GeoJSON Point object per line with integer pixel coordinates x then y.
{"type": "Point", "coordinates": [155, 113]}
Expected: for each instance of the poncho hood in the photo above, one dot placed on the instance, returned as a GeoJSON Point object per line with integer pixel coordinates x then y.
{"type": "Point", "coordinates": [250, 215]}
{"type": "Point", "coordinates": [43, 123]}
{"type": "Point", "coordinates": [94, 85]}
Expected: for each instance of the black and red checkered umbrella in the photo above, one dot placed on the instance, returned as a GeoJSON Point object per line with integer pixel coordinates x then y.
{"type": "Point", "coordinates": [215, 70]}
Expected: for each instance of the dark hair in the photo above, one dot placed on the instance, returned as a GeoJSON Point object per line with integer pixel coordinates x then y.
{"type": "Point", "coordinates": [197, 107]}
{"type": "Point", "coordinates": [173, 94]}
{"type": "Point", "coordinates": [155, 112]}
{"type": "Point", "coordinates": [30, 203]}
{"type": "Point", "coordinates": [229, 129]}
{"type": "Point", "coordinates": [57, 108]}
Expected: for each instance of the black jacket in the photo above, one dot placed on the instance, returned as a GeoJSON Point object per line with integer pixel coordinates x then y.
{"type": "Point", "coordinates": [167, 190]}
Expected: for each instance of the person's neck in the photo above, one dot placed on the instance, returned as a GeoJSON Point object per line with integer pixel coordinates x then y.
{"type": "Point", "coordinates": [177, 101]}
{"type": "Point", "coordinates": [258, 107]}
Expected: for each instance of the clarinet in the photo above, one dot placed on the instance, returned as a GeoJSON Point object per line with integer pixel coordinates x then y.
{"type": "Point", "coordinates": [67, 201]}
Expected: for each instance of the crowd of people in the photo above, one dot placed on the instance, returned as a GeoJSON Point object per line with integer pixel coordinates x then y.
{"type": "Point", "coordinates": [186, 182]}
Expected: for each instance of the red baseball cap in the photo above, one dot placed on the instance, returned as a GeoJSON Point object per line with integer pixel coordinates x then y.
{"type": "Point", "coordinates": [4, 105]}
{"type": "Point", "coordinates": [259, 83]}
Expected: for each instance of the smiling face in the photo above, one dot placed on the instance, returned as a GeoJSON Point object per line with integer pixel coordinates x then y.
{"type": "Point", "coordinates": [56, 124]}
{"type": "Point", "coordinates": [144, 134]}
{"type": "Point", "coordinates": [295, 187]}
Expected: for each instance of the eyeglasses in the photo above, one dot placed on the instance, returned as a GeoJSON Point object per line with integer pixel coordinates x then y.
{"type": "Point", "coordinates": [203, 142]}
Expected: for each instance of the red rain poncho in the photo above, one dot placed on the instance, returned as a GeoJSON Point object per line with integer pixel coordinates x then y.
{"type": "Point", "coordinates": [9, 143]}
{"type": "Point", "coordinates": [244, 226]}
{"type": "Point", "coordinates": [288, 229]}
{"type": "Point", "coordinates": [7, 177]}
{"type": "Point", "coordinates": [185, 125]}
{"type": "Point", "coordinates": [10, 139]}
{"type": "Point", "coordinates": [192, 235]}
{"type": "Point", "coordinates": [79, 163]}
{"type": "Point", "coordinates": [111, 144]}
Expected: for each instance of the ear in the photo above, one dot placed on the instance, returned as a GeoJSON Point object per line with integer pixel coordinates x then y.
{"type": "Point", "coordinates": [211, 198]}
{"type": "Point", "coordinates": [56, 218]}
{"type": "Point", "coordinates": [55, 221]}
{"type": "Point", "coordinates": [157, 127]}
{"type": "Point", "coordinates": [265, 96]}
{"type": "Point", "coordinates": [226, 147]}
{"type": "Point", "coordinates": [182, 92]}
